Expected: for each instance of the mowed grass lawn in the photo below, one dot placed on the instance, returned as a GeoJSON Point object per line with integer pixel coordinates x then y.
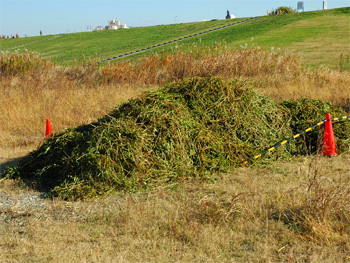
{"type": "Point", "coordinates": [321, 38]}
{"type": "Point", "coordinates": [104, 44]}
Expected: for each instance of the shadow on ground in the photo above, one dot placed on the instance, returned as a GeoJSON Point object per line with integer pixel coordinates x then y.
{"type": "Point", "coordinates": [347, 109]}
{"type": "Point", "coordinates": [9, 162]}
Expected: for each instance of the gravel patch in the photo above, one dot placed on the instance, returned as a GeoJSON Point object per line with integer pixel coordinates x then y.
{"type": "Point", "coordinates": [17, 209]}
{"type": "Point", "coordinates": [25, 201]}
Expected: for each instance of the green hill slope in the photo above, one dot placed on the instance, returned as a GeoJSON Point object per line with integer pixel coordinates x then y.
{"type": "Point", "coordinates": [104, 44]}
{"type": "Point", "coordinates": [321, 37]}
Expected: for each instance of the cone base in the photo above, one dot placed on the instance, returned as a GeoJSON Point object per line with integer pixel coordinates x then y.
{"type": "Point", "coordinates": [331, 155]}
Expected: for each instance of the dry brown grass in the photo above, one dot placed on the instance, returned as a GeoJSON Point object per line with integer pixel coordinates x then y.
{"type": "Point", "coordinates": [276, 73]}
{"type": "Point", "coordinates": [67, 96]}
{"type": "Point", "coordinates": [34, 89]}
{"type": "Point", "coordinates": [283, 213]}
{"type": "Point", "coordinates": [289, 212]}
{"type": "Point", "coordinates": [27, 102]}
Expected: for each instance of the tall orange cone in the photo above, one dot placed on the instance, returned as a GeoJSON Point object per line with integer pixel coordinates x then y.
{"type": "Point", "coordinates": [48, 132]}
{"type": "Point", "coordinates": [328, 138]}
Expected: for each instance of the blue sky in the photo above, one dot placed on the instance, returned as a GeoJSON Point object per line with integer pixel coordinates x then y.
{"type": "Point", "coordinates": [27, 17]}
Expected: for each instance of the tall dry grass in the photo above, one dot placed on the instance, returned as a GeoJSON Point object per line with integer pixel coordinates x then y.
{"type": "Point", "coordinates": [277, 73]}
{"type": "Point", "coordinates": [34, 89]}
{"type": "Point", "coordinates": [68, 96]}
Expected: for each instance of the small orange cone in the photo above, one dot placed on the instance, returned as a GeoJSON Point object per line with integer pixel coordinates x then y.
{"type": "Point", "coordinates": [48, 132]}
{"type": "Point", "coordinates": [328, 138]}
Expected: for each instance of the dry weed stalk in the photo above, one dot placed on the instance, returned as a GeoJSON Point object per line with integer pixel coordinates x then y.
{"type": "Point", "coordinates": [321, 212]}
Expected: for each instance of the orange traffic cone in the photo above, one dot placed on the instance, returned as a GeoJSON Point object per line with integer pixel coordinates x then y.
{"type": "Point", "coordinates": [328, 138]}
{"type": "Point", "coordinates": [48, 132]}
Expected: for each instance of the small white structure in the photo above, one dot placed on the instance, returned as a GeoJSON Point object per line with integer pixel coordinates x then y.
{"type": "Point", "coordinates": [324, 5]}
{"type": "Point", "coordinates": [112, 25]}
{"type": "Point", "coordinates": [99, 28]}
{"type": "Point", "coordinates": [300, 6]}
{"type": "Point", "coordinates": [115, 24]}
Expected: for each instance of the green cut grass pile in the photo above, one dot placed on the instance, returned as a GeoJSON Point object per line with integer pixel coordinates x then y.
{"type": "Point", "coordinates": [305, 113]}
{"type": "Point", "coordinates": [192, 127]}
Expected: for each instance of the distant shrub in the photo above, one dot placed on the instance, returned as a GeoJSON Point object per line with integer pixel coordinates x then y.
{"type": "Point", "coordinates": [286, 10]}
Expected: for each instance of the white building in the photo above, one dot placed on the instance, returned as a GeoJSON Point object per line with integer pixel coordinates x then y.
{"type": "Point", "coordinates": [324, 5]}
{"type": "Point", "coordinates": [99, 28]}
{"type": "Point", "coordinates": [115, 24]}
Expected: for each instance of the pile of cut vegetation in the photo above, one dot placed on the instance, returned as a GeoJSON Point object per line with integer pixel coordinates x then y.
{"type": "Point", "coordinates": [304, 113]}
{"type": "Point", "coordinates": [188, 128]}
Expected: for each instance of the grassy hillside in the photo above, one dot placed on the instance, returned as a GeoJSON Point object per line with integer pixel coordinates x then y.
{"type": "Point", "coordinates": [105, 44]}
{"type": "Point", "coordinates": [321, 37]}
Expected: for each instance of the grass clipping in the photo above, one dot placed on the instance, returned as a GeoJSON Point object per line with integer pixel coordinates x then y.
{"type": "Point", "coordinates": [187, 128]}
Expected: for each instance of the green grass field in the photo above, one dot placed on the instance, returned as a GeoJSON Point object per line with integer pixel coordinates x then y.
{"type": "Point", "coordinates": [321, 38]}
{"type": "Point", "coordinates": [104, 44]}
